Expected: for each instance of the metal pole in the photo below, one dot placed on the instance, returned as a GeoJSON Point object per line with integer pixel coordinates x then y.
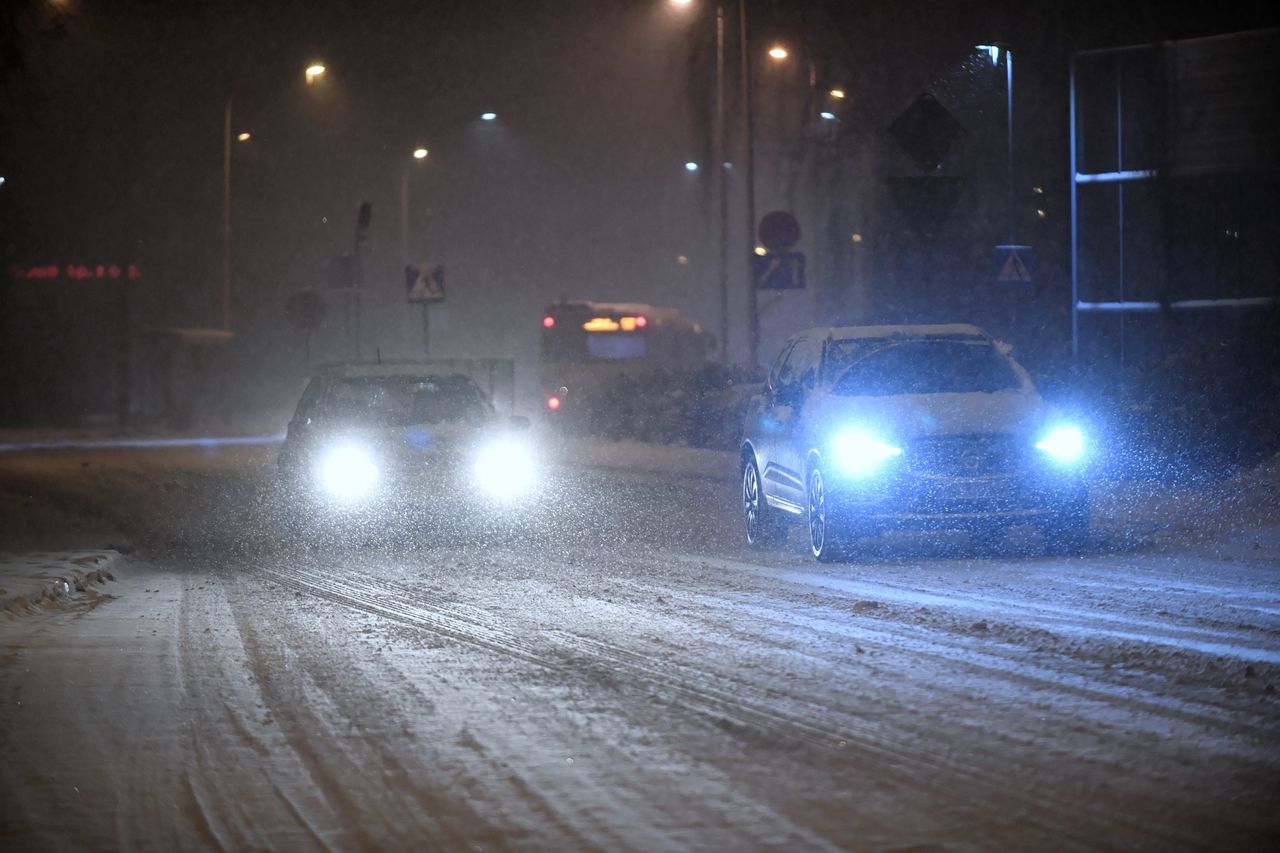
{"type": "Point", "coordinates": [722, 180]}
{"type": "Point", "coordinates": [404, 218]}
{"type": "Point", "coordinates": [1008, 85]}
{"type": "Point", "coordinates": [1120, 204]}
{"type": "Point", "coordinates": [753, 317]}
{"type": "Point", "coordinates": [226, 216]}
{"type": "Point", "coordinates": [1075, 215]}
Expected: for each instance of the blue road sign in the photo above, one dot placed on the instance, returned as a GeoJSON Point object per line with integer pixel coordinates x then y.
{"type": "Point", "coordinates": [779, 271]}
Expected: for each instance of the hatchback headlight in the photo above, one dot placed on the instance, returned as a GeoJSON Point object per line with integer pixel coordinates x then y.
{"type": "Point", "coordinates": [1064, 444]}
{"type": "Point", "coordinates": [348, 473]}
{"type": "Point", "coordinates": [858, 453]}
{"type": "Point", "coordinates": [505, 468]}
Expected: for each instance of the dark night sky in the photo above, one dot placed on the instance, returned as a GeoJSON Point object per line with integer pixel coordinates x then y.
{"type": "Point", "coordinates": [112, 139]}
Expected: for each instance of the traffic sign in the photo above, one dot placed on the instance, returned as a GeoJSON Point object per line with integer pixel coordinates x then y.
{"type": "Point", "coordinates": [424, 283]}
{"type": "Point", "coordinates": [779, 271]}
{"type": "Point", "coordinates": [778, 231]}
{"type": "Point", "coordinates": [1013, 264]}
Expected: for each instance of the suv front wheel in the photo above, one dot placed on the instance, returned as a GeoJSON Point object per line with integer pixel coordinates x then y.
{"type": "Point", "coordinates": [826, 539]}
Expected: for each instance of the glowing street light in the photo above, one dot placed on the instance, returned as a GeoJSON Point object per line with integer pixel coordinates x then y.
{"type": "Point", "coordinates": [778, 52]}
{"type": "Point", "coordinates": [691, 166]}
{"type": "Point", "coordinates": [420, 153]}
{"type": "Point", "coordinates": [681, 3]}
{"type": "Point", "coordinates": [488, 116]}
{"type": "Point", "coordinates": [838, 94]}
{"type": "Point", "coordinates": [312, 73]}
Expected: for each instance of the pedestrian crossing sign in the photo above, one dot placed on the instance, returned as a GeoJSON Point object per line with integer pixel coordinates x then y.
{"type": "Point", "coordinates": [1013, 264]}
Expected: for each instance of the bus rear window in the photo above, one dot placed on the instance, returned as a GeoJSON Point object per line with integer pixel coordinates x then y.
{"type": "Point", "coordinates": [611, 345]}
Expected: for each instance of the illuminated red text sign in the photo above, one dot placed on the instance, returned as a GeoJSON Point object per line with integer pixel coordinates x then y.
{"type": "Point", "coordinates": [76, 272]}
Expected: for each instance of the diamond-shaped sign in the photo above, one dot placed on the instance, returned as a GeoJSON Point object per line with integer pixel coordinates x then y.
{"type": "Point", "coordinates": [926, 131]}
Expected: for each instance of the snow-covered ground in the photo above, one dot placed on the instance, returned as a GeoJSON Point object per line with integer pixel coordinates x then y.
{"type": "Point", "coordinates": [620, 672]}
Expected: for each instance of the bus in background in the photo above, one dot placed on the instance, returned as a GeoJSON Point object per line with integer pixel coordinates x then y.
{"type": "Point", "coordinates": [600, 359]}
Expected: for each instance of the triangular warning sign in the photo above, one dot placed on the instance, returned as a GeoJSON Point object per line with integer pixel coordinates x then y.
{"type": "Point", "coordinates": [1014, 269]}
{"type": "Point", "coordinates": [424, 285]}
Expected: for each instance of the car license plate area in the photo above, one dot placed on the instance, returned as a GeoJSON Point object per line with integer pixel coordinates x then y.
{"type": "Point", "coordinates": [966, 457]}
{"type": "Point", "coordinates": [984, 489]}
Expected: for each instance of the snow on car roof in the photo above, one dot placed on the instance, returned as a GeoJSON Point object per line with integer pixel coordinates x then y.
{"type": "Point", "coordinates": [932, 330]}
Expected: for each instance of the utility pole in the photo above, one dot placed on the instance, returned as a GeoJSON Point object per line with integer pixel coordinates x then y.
{"type": "Point", "coordinates": [226, 217]}
{"type": "Point", "coordinates": [753, 316]}
{"type": "Point", "coordinates": [722, 181]}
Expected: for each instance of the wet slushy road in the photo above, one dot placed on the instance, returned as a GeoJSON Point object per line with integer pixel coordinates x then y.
{"type": "Point", "coordinates": [616, 671]}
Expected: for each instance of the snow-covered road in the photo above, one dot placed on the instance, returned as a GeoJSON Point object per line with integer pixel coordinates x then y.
{"type": "Point", "coordinates": [620, 674]}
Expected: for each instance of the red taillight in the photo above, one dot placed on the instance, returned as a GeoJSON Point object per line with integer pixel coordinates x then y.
{"type": "Point", "coordinates": [548, 321]}
{"type": "Point", "coordinates": [553, 403]}
{"type": "Point", "coordinates": [642, 321]}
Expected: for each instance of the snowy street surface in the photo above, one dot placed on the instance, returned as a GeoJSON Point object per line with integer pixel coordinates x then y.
{"type": "Point", "coordinates": [616, 671]}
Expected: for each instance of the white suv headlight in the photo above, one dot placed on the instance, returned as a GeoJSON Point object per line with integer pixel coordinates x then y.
{"type": "Point", "coordinates": [1064, 443]}
{"type": "Point", "coordinates": [859, 453]}
{"type": "Point", "coordinates": [348, 473]}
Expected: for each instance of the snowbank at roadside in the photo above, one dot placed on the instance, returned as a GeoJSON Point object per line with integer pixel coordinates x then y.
{"type": "Point", "coordinates": [35, 579]}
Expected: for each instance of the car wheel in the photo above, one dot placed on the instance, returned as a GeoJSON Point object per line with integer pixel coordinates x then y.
{"type": "Point", "coordinates": [1067, 532]}
{"type": "Point", "coordinates": [763, 525]}
{"type": "Point", "coordinates": [826, 540]}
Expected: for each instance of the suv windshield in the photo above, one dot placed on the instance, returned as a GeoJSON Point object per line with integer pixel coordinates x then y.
{"type": "Point", "coordinates": [928, 367]}
{"type": "Point", "coordinates": [400, 401]}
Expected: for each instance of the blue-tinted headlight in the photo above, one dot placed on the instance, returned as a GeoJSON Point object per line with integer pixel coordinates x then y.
{"type": "Point", "coordinates": [1063, 444]}
{"type": "Point", "coordinates": [860, 454]}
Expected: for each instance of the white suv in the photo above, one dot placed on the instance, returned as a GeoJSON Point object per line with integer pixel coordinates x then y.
{"type": "Point", "coordinates": [863, 429]}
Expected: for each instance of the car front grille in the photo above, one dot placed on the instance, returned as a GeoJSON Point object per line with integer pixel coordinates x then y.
{"type": "Point", "coordinates": [967, 456]}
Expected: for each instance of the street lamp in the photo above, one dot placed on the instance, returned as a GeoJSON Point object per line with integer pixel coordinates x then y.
{"type": "Point", "coordinates": [488, 116]}
{"type": "Point", "coordinates": [313, 72]}
{"type": "Point", "coordinates": [994, 51]}
{"type": "Point", "coordinates": [778, 52]}
{"type": "Point", "coordinates": [419, 155]}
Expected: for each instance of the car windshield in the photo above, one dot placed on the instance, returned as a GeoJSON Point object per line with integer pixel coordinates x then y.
{"type": "Point", "coordinates": [928, 367]}
{"type": "Point", "coordinates": [399, 401]}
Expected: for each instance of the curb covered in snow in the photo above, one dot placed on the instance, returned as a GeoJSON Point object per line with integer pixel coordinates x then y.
{"type": "Point", "coordinates": [29, 581]}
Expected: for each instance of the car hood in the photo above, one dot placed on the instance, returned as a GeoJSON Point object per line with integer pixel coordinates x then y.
{"type": "Point", "coordinates": [915, 415]}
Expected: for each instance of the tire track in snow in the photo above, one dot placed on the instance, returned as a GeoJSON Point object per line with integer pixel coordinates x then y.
{"type": "Point", "coordinates": [689, 685]}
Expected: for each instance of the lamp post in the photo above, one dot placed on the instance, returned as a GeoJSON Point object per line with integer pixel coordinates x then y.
{"type": "Point", "coordinates": [419, 154]}
{"type": "Point", "coordinates": [778, 53]}
{"type": "Point", "coordinates": [748, 133]}
{"type": "Point", "coordinates": [719, 160]}
{"type": "Point", "coordinates": [994, 51]}
{"type": "Point", "coordinates": [313, 72]}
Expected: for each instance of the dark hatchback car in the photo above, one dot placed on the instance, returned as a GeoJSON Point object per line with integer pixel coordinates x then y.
{"type": "Point", "coordinates": [366, 437]}
{"type": "Point", "coordinates": [865, 429]}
